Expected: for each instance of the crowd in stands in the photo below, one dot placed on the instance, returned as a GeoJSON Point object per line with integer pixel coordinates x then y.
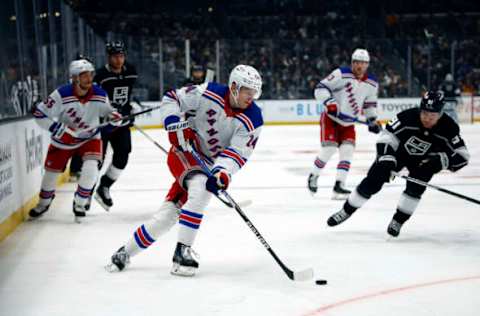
{"type": "Point", "coordinates": [295, 52]}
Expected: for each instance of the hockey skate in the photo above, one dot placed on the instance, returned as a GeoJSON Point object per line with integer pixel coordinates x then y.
{"type": "Point", "coordinates": [338, 218]}
{"type": "Point", "coordinates": [394, 228]}
{"type": "Point", "coordinates": [184, 261]}
{"type": "Point", "coordinates": [79, 212]}
{"type": "Point", "coordinates": [340, 193]}
{"type": "Point", "coordinates": [102, 195]}
{"type": "Point", "coordinates": [312, 183]}
{"type": "Point", "coordinates": [119, 261]}
{"type": "Point", "coordinates": [37, 211]}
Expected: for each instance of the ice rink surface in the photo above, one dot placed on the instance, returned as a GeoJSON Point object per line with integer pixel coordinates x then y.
{"type": "Point", "coordinates": [54, 266]}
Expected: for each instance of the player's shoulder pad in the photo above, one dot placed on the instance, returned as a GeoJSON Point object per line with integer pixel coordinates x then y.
{"type": "Point", "coordinates": [215, 92]}
{"type": "Point", "coordinates": [98, 91]}
{"type": "Point", "coordinates": [251, 117]}
{"type": "Point", "coordinates": [372, 80]}
{"type": "Point", "coordinates": [102, 71]}
{"type": "Point", "coordinates": [345, 70]}
{"type": "Point", "coordinates": [219, 89]}
{"type": "Point", "coordinates": [65, 90]}
{"type": "Point", "coordinates": [409, 115]}
{"type": "Point", "coordinates": [130, 69]}
{"type": "Point", "coordinates": [447, 126]}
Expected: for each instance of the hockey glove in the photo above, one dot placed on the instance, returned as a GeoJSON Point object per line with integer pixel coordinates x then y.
{"type": "Point", "coordinates": [57, 129]}
{"type": "Point", "coordinates": [179, 132]}
{"type": "Point", "coordinates": [374, 126]}
{"type": "Point", "coordinates": [331, 107]}
{"type": "Point", "coordinates": [127, 110]}
{"type": "Point", "coordinates": [435, 162]}
{"type": "Point", "coordinates": [114, 122]}
{"type": "Point", "coordinates": [62, 134]}
{"type": "Point", "coordinates": [114, 118]}
{"type": "Point", "coordinates": [219, 180]}
{"type": "Point", "coordinates": [385, 165]}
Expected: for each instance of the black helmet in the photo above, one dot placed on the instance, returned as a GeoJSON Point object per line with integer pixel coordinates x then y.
{"type": "Point", "coordinates": [432, 101]}
{"type": "Point", "coordinates": [117, 47]}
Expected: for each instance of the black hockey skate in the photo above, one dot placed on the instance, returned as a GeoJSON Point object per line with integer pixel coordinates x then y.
{"type": "Point", "coordinates": [103, 197]}
{"type": "Point", "coordinates": [79, 212]}
{"type": "Point", "coordinates": [119, 261]}
{"type": "Point", "coordinates": [338, 218]}
{"type": "Point", "coordinates": [184, 262]}
{"type": "Point", "coordinates": [394, 228]}
{"type": "Point", "coordinates": [312, 183]}
{"type": "Point", "coordinates": [340, 193]}
{"type": "Point", "coordinates": [37, 211]}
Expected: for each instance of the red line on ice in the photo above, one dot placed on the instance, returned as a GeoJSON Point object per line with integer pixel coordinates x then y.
{"type": "Point", "coordinates": [365, 297]}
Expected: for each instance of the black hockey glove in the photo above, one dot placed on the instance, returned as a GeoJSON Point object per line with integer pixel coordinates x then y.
{"type": "Point", "coordinates": [127, 110]}
{"type": "Point", "coordinates": [374, 126]}
{"type": "Point", "coordinates": [385, 165]}
{"type": "Point", "coordinates": [435, 162]}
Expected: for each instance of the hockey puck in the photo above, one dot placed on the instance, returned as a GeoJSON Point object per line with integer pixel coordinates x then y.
{"type": "Point", "coordinates": [321, 282]}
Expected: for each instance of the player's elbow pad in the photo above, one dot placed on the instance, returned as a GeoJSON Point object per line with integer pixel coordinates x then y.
{"type": "Point", "coordinates": [384, 149]}
{"type": "Point", "coordinates": [322, 94]}
{"type": "Point", "coordinates": [458, 162]}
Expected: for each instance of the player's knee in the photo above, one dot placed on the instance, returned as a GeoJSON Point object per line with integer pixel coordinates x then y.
{"type": "Point", "coordinates": [414, 190]}
{"type": "Point", "coordinates": [166, 216]}
{"type": "Point", "coordinates": [379, 173]}
{"type": "Point", "coordinates": [346, 150]}
{"type": "Point", "coordinates": [198, 196]}
{"type": "Point", "coordinates": [326, 152]}
{"type": "Point", "coordinates": [120, 160]}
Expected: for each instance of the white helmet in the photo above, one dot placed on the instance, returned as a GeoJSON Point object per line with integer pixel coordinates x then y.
{"type": "Point", "coordinates": [361, 55]}
{"type": "Point", "coordinates": [78, 66]}
{"type": "Point", "coordinates": [246, 76]}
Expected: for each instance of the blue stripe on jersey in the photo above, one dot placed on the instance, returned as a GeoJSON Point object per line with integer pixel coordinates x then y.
{"type": "Point", "coordinates": [98, 90]}
{"type": "Point", "coordinates": [323, 86]}
{"type": "Point", "coordinates": [346, 70]}
{"type": "Point", "coordinates": [66, 90]}
{"type": "Point", "coordinates": [217, 88]}
{"type": "Point", "coordinates": [212, 99]}
{"type": "Point", "coordinates": [372, 77]}
{"type": "Point", "coordinates": [254, 113]}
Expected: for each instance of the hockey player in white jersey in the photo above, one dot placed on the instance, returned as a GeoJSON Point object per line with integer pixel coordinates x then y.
{"type": "Point", "coordinates": [222, 124]}
{"type": "Point", "coordinates": [69, 113]}
{"type": "Point", "coordinates": [345, 94]}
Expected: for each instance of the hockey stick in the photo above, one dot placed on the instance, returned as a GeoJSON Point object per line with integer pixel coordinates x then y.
{"type": "Point", "coordinates": [396, 174]}
{"type": "Point", "coordinates": [138, 128]}
{"type": "Point", "coordinates": [303, 275]}
{"type": "Point", "coordinates": [351, 118]}
{"type": "Point", "coordinates": [77, 133]}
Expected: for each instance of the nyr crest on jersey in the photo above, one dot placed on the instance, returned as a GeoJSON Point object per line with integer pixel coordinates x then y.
{"type": "Point", "coordinates": [417, 147]}
{"type": "Point", "coordinates": [120, 96]}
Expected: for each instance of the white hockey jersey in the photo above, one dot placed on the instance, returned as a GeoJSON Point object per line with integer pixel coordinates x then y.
{"type": "Point", "coordinates": [226, 136]}
{"type": "Point", "coordinates": [352, 95]}
{"type": "Point", "coordinates": [78, 114]}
